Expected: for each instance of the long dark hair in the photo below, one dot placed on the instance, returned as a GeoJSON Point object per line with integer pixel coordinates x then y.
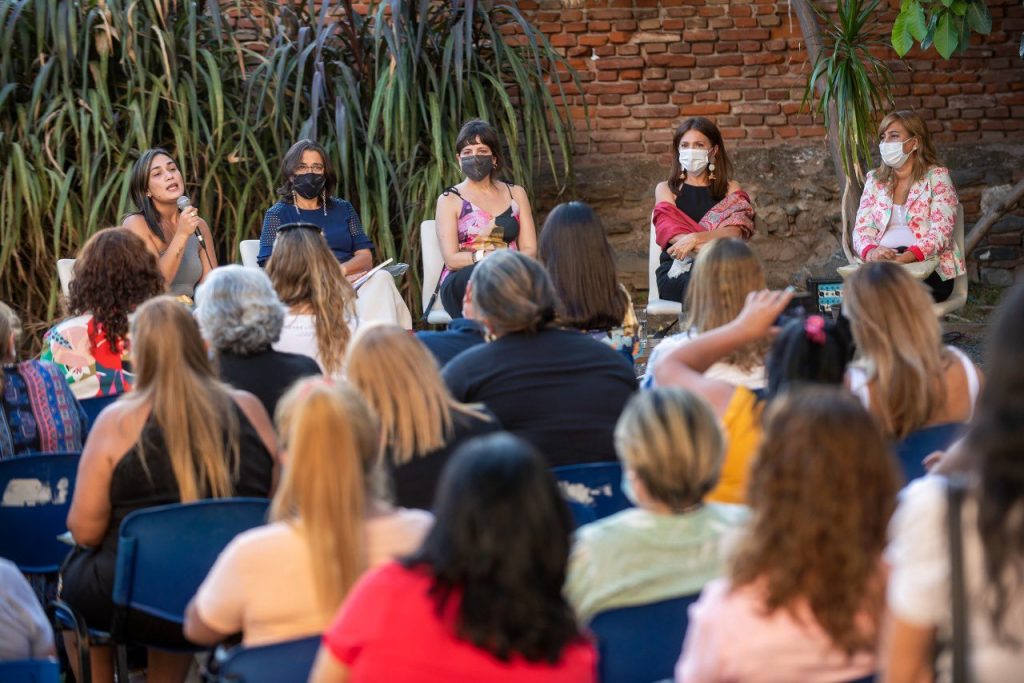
{"type": "Point", "coordinates": [723, 169]}
{"type": "Point", "coordinates": [997, 440]}
{"type": "Point", "coordinates": [798, 356]}
{"type": "Point", "coordinates": [290, 165]}
{"type": "Point", "coordinates": [501, 539]}
{"type": "Point", "coordinates": [581, 264]}
{"type": "Point", "coordinates": [139, 185]}
{"type": "Point", "coordinates": [479, 132]}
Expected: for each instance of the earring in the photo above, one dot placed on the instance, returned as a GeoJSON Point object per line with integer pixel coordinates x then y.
{"type": "Point", "coordinates": [324, 197]}
{"type": "Point", "coordinates": [711, 169]}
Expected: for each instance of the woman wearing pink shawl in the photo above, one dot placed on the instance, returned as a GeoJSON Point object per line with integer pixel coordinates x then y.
{"type": "Point", "coordinates": [698, 203]}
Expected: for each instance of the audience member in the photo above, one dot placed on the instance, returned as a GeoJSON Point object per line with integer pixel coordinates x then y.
{"type": "Point", "coordinates": [114, 273]}
{"type": "Point", "coordinates": [328, 524]}
{"type": "Point", "coordinates": [180, 240]}
{"type": "Point", "coordinates": [421, 424]}
{"type": "Point", "coordinates": [724, 273]}
{"type": "Point", "coordinates": [240, 316]}
{"type": "Point", "coordinates": [581, 263]}
{"type": "Point", "coordinates": [697, 204]}
{"type": "Point", "coordinates": [480, 215]}
{"type": "Point", "coordinates": [305, 197]}
{"type": "Point", "coordinates": [920, 590]}
{"type": "Point", "coordinates": [669, 545]}
{"type": "Point", "coordinates": [908, 209]}
{"type": "Point", "coordinates": [805, 591]}
{"type": "Point", "coordinates": [38, 413]}
{"type": "Point", "coordinates": [560, 390]}
{"type": "Point", "coordinates": [903, 374]}
{"type": "Point", "coordinates": [25, 632]}
{"type": "Point", "coordinates": [461, 334]}
{"type": "Point", "coordinates": [481, 600]}
{"type": "Point", "coordinates": [321, 302]}
{"type": "Point", "coordinates": [179, 437]}
{"type": "Point", "coordinates": [738, 408]}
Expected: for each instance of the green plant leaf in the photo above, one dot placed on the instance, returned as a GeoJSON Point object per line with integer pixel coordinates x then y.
{"type": "Point", "coordinates": [915, 20]}
{"type": "Point", "coordinates": [946, 35]}
{"type": "Point", "coordinates": [978, 18]}
{"type": "Point", "coordinates": [902, 40]}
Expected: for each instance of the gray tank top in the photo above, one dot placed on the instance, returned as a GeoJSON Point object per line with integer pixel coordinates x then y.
{"type": "Point", "coordinates": [189, 270]}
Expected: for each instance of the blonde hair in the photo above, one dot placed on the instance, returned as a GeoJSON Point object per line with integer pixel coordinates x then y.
{"type": "Point", "coordinates": [331, 439]}
{"type": "Point", "coordinates": [725, 272]}
{"type": "Point", "coordinates": [925, 156]}
{"type": "Point", "coordinates": [191, 407]}
{"type": "Point", "coordinates": [671, 440]}
{"type": "Point", "coordinates": [896, 331]}
{"type": "Point", "coordinates": [10, 324]}
{"type": "Point", "coordinates": [305, 273]}
{"type": "Point", "coordinates": [401, 382]}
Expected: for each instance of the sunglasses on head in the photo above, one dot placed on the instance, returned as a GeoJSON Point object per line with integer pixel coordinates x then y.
{"type": "Point", "coordinates": [299, 226]}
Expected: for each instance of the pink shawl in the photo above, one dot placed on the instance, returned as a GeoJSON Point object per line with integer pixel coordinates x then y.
{"type": "Point", "coordinates": [735, 210]}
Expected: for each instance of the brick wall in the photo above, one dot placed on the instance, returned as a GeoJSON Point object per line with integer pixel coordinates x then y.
{"type": "Point", "coordinates": [646, 64]}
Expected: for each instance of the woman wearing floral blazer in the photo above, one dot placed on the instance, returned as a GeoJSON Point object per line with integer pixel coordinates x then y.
{"type": "Point", "coordinates": [908, 209]}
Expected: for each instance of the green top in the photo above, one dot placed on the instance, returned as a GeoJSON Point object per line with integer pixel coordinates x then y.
{"type": "Point", "coordinates": [635, 557]}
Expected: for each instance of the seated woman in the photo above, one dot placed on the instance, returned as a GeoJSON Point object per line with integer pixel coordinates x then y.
{"type": "Point", "coordinates": [724, 273]}
{"type": "Point", "coordinates": [26, 630]}
{"type": "Point", "coordinates": [480, 215]}
{"type": "Point", "coordinates": [321, 303]}
{"type": "Point", "coordinates": [908, 209]}
{"type": "Point", "coordinates": [805, 591]}
{"type": "Point", "coordinates": [38, 411]}
{"type": "Point", "coordinates": [328, 524]}
{"type": "Point", "coordinates": [240, 317]}
{"type": "Point", "coordinates": [305, 197]}
{"type": "Point", "coordinates": [920, 629]}
{"type": "Point", "coordinates": [180, 436]}
{"type": "Point", "coordinates": [697, 204]}
{"type": "Point", "coordinates": [481, 600]}
{"type": "Point", "coordinates": [558, 389]}
{"type": "Point", "coordinates": [903, 374]}
{"type": "Point", "coordinates": [180, 240]}
{"type": "Point", "coordinates": [810, 350]}
{"type": "Point", "coordinates": [670, 544]}
{"type": "Point", "coordinates": [114, 273]}
{"type": "Point", "coordinates": [575, 250]}
{"type": "Point", "coordinates": [421, 423]}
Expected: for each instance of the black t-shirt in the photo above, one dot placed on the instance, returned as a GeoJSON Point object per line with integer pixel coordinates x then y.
{"type": "Point", "coordinates": [559, 389]}
{"type": "Point", "coordinates": [415, 482]}
{"type": "Point", "coordinates": [267, 374]}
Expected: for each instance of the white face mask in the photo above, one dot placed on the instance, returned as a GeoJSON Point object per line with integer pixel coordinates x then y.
{"type": "Point", "coordinates": [693, 161]}
{"type": "Point", "coordinates": [893, 155]}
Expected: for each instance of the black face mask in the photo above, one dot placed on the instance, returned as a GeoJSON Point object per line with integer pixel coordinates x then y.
{"type": "Point", "coordinates": [309, 185]}
{"type": "Point", "coordinates": [477, 167]}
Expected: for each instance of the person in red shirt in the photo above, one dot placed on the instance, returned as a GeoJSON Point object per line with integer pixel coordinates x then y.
{"type": "Point", "coordinates": [481, 600]}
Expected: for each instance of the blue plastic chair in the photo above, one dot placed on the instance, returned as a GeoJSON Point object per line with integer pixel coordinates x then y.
{"type": "Point", "coordinates": [641, 644]}
{"type": "Point", "coordinates": [35, 494]}
{"type": "Point", "coordinates": [30, 671]}
{"type": "Point", "coordinates": [93, 406]}
{"type": "Point", "coordinates": [288, 662]}
{"type": "Point", "coordinates": [915, 447]}
{"type": "Point", "coordinates": [593, 490]}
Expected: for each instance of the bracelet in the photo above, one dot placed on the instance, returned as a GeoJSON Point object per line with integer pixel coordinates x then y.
{"type": "Point", "coordinates": [478, 255]}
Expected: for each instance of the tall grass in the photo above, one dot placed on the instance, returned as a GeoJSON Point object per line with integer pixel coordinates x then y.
{"type": "Point", "coordinates": [85, 86]}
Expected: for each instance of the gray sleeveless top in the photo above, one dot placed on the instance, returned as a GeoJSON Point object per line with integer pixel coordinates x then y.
{"type": "Point", "coordinates": [189, 270]}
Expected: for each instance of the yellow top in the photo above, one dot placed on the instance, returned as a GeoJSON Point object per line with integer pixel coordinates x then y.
{"type": "Point", "coordinates": [741, 425]}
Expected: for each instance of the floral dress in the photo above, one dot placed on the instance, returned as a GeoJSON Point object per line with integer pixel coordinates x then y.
{"type": "Point", "coordinates": [91, 364]}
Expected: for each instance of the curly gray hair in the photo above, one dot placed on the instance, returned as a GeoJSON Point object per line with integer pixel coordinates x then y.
{"type": "Point", "coordinates": [238, 310]}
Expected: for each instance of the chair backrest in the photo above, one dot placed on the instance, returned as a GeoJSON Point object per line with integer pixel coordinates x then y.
{"type": "Point", "coordinates": [915, 447]}
{"type": "Point", "coordinates": [30, 671]}
{"type": "Point", "coordinates": [65, 273]}
{"type": "Point", "coordinates": [641, 644]}
{"type": "Point", "coordinates": [93, 406]}
{"type": "Point", "coordinates": [36, 493]}
{"type": "Point", "coordinates": [433, 262]}
{"type": "Point", "coordinates": [288, 662]}
{"type": "Point", "coordinates": [653, 261]}
{"type": "Point", "coordinates": [165, 552]}
{"type": "Point", "coordinates": [593, 490]}
{"type": "Point", "coordinates": [249, 249]}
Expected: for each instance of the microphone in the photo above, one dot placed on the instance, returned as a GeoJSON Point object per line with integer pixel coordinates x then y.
{"type": "Point", "coordinates": [184, 203]}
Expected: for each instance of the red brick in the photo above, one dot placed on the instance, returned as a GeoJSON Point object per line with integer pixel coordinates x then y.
{"type": "Point", "coordinates": [733, 133]}
{"type": "Point", "coordinates": [563, 40]}
{"type": "Point", "coordinates": [705, 109]}
{"type": "Point", "coordinates": [656, 86]}
{"type": "Point", "coordinates": [608, 99]}
{"type": "Point", "coordinates": [702, 48]}
{"type": "Point", "coordinates": [699, 36]}
{"type": "Point", "coordinates": [593, 40]}
{"type": "Point", "coordinates": [763, 58]}
{"type": "Point", "coordinates": [672, 60]}
{"type": "Point", "coordinates": [692, 85]}
{"type": "Point", "coordinates": [744, 34]}
{"type": "Point", "coordinates": [617, 135]}
{"type": "Point", "coordinates": [720, 60]}
{"type": "Point", "coordinates": [656, 111]}
{"type": "Point", "coordinates": [617, 88]}
{"type": "Point", "coordinates": [619, 63]}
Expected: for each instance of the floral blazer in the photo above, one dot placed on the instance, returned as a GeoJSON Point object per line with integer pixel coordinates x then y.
{"type": "Point", "coordinates": [931, 215]}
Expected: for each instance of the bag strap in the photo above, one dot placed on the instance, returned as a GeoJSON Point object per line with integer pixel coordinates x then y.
{"type": "Point", "coordinates": [956, 489]}
{"type": "Point", "coordinates": [433, 299]}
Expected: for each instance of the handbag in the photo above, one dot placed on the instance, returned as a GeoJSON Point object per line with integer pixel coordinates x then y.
{"type": "Point", "coordinates": [956, 489]}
